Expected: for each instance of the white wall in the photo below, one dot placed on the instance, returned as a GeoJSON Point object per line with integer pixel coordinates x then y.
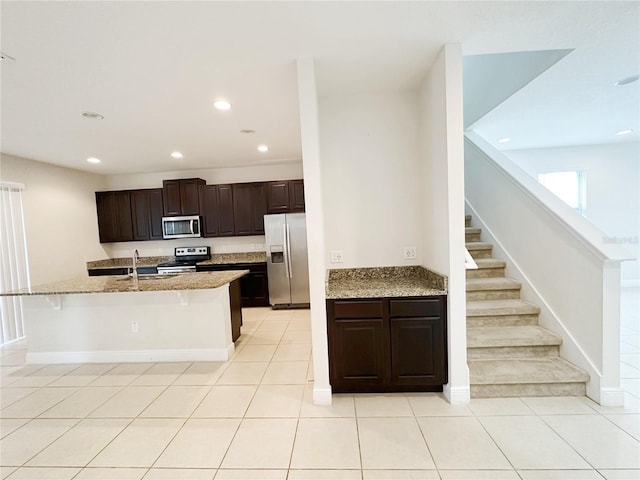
{"type": "Point", "coordinates": [370, 182]}
{"type": "Point", "coordinates": [613, 188]}
{"type": "Point", "coordinates": [60, 217]}
{"type": "Point", "coordinates": [257, 173]}
{"type": "Point", "coordinates": [441, 181]}
{"type": "Point", "coordinates": [309, 130]}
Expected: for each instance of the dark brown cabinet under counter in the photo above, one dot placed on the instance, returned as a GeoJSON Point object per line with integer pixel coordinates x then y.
{"type": "Point", "coordinates": [254, 286]}
{"type": "Point", "coordinates": [387, 344]}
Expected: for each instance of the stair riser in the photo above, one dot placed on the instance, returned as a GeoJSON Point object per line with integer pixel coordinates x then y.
{"type": "Point", "coordinates": [467, 221]}
{"type": "Point", "coordinates": [493, 295]}
{"type": "Point", "coordinates": [538, 351]}
{"type": "Point", "coordinates": [528, 390]}
{"type": "Point", "coordinates": [484, 253]}
{"type": "Point", "coordinates": [472, 237]}
{"type": "Point", "coordinates": [502, 321]}
{"type": "Point", "coordinates": [485, 273]}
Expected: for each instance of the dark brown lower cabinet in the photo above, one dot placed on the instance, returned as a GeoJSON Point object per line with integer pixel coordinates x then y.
{"type": "Point", "coordinates": [254, 287]}
{"type": "Point", "coordinates": [387, 344]}
{"type": "Point", "coordinates": [236, 309]}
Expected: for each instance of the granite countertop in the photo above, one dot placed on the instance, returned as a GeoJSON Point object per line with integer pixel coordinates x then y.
{"type": "Point", "coordinates": [216, 259]}
{"type": "Point", "coordinates": [145, 283]}
{"type": "Point", "coordinates": [378, 282]}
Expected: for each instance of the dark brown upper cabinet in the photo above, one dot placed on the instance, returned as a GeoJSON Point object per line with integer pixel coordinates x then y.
{"type": "Point", "coordinates": [216, 208]}
{"type": "Point", "coordinates": [114, 216]}
{"type": "Point", "coordinates": [182, 196]}
{"type": "Point", "coordinates": [249, 208]}
{"type": "Point", "coordinates": [146, 212]}
{"type": "Point", "coordinates": [285, 196]}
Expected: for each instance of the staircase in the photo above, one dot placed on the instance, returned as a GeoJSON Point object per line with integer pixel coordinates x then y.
{"type": "Point", "coordinates": [508, 354]}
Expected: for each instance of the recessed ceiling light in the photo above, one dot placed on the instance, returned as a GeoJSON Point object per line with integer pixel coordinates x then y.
{"type": "Point", "coordinates": [92, 115]}
{"type": "Point", "coordinates": [627, 81]}
{"type": "Point", "coordinates": [624, 132]}
{"type": "Point", "coordinates": [93, 160]}
{"type": "Point", "coordinates": [176, 155]}
{"type": "Point", "coordinates": [263, 148]}
{"type": "Point", "coordinates": [247, 131]}
{"type": "Point", "coordinates": [222, 105]}
{"type": "Point", "coordinates": [504, 140]}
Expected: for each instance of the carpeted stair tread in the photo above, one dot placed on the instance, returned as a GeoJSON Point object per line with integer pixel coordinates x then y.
{"type": "Point", "coordinates": [481, 308]}
{"type": "Point", "coordinates": [496, 283]}
{"type": "Point", "coordinates": [471, 246]}
{"type": "Point", "coordinates": [525, 371]}
{"type": "Point", "coordinates": [525, 336]}
{"type": "Point", "coordinates": [490, 263]}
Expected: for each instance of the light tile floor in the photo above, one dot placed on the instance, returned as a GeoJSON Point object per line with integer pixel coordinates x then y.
{"type": "Point", "coordinates": [253, 418]}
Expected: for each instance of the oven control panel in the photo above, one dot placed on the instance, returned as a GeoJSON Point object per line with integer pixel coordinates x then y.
{"type": "Point", "coordinates": [190, 251]}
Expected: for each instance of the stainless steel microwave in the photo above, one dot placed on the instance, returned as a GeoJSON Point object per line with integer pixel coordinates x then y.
{"type": "Point", "coordinates": [181, 227]}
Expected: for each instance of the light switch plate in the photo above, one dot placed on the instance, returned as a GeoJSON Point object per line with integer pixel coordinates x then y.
{"type": "Point", "coordinates": [409, 253]}
{"type": "Point", "coordinates": [336, 256]}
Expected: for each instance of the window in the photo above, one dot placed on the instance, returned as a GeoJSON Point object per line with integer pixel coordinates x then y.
{"type": "Point", "coordinates": [14, 272]}
{"type": "Point", "coordinates": [569, 186]}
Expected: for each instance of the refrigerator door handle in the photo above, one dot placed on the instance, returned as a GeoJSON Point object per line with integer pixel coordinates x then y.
{"type": "Point", "coordinates": [288, 246]}
{"type": "Point", "coordinates": [285, 252]}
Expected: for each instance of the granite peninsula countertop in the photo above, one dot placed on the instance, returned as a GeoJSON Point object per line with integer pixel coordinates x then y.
{"type": "Point", "coordinates": [377, 282]}
{"type": "Point", "coordinates": [145, 283]}
{"type": "Point", "coordinates": [216, 259]}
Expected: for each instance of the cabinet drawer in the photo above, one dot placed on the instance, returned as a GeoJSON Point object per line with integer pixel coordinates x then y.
{"type": "Point", "coordinates": [358, 309]}
{"type": "Point", "coordinates": [417, 307]}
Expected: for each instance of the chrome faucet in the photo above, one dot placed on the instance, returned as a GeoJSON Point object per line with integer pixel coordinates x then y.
{"type": "Point", "coordinates": [134, 270]}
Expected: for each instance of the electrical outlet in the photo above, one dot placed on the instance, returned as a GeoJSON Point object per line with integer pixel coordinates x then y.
{"type": "Point", "coordinates": [135, 328]}
{"type": "Point", "coordinates": [336, 256]}
{"type": "Point", "coordinates": [409, 253]}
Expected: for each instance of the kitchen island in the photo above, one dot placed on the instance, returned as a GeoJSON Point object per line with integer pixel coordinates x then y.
{"type": "Point", "coordinates": [153, 318]}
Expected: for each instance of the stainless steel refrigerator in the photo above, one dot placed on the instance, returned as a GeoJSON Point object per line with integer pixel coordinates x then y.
{"type": "Point", "coordinates": [287, 267]}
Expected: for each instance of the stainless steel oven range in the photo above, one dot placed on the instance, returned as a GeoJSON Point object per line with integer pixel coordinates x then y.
{"type": "Point", "coordinates": [186, 259]}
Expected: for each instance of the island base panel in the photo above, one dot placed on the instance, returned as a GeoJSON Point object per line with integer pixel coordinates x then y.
{"type": "Point", "coordinates": [168, 326]}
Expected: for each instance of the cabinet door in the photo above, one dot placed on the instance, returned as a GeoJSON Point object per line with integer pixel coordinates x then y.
{"type": "Point", "coordinates": [259, 203]}
{"type": "Point", "coordinates": [146, 211]}
{"type": "Point", "coordinates": [124, 223]}
{"type": "Point", "coordinates": [210, 209]}
{"type": "Point", "coordinates": [278, 197]}
{"type": "Point", "coordinates": [114, 216]}
{"type": "Point", "coordinates": [171, 197]}
{"type": "Point", "coordinates": [156, 212]}
{"type": "Point", "coordinates": [190, 196]}
{"type": "Point", "coordinates": [225, 210]}
{"type": "Point", "coordinates": [357, 359]}
{"type": "Point", "coordinates": [106, 220]}
{"type": "Point", "coordinates": [296, 196]}
{"type": "Point", "coordinates": [418, 355]}
{"type": "Point", "coordinates": [140, 211]}
{"type": "Point", "coordinates": [255, 287]}
{"type": "Point", "coordinates": [249, 208]}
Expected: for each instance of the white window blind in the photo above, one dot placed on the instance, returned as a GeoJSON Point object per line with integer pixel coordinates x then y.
{"type": "Point", "coordinates": [13, 260]}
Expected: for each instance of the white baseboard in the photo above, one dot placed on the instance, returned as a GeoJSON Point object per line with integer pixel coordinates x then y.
{"type": "Point", "coordinates": [132, 356]}
{"type": "Point", "coordinates": [457, 395]}
{"type": "Point", "coordinates": [321, 395]}
{"type": "Point", "coordinates": [612, 397]}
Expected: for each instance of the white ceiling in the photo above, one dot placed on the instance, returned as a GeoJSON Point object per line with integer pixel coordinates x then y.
{"type": "Point", "coordinates": [153, 70]}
